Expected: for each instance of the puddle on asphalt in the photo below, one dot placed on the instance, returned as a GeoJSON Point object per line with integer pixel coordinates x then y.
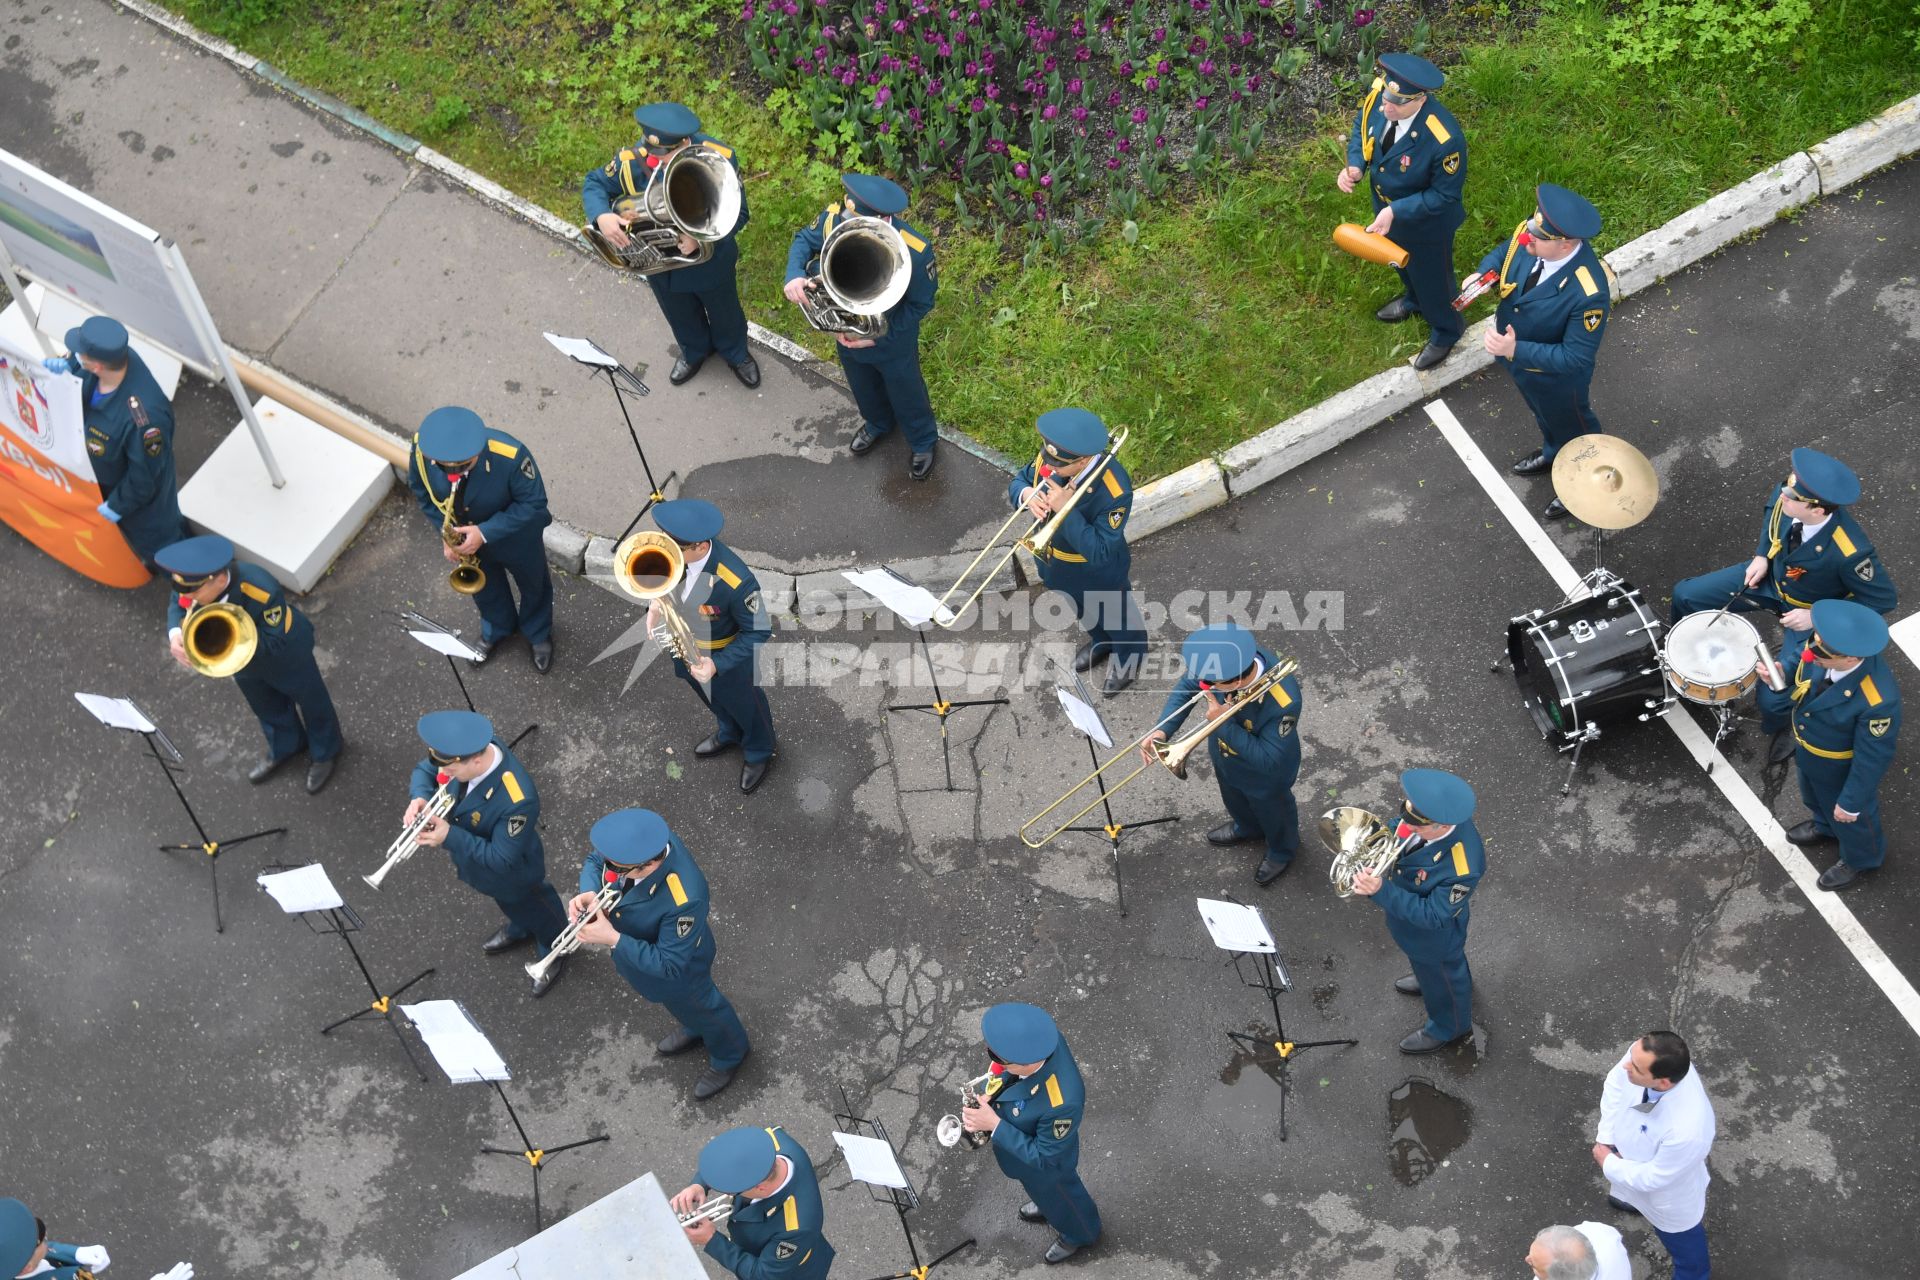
{"type": "Point", "coordinates": [1424, 1128]}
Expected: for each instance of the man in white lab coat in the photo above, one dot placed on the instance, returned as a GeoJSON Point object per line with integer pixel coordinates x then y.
{"type": "Point", "coordinates": [1656, 1128]}
{"type": "Point", "coordinates": [1590, 1251]}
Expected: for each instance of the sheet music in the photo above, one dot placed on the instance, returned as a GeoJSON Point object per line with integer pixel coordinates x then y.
{"type": "Point", "coordinates": [441, 642]}
{"type": "Point", "coordinates": [1235, 927]}
{"type": "Point", "coordinates": [115, 713]}
{"type": "Point", "coordinates": [915, 605]}
{"type": "Point", "coordinates": [582, 349]}
{"type": "Point", "coordinates": [456, 1041]}
{"type": "Point", "coordinates": [302, 889]}
{"type": "Point", "coordinates": [871, 1160]}
{"type": "Point", "coordinates": [1084, 717]}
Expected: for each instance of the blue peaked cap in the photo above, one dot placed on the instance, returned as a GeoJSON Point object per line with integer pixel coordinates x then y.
{"type": "Point", "coordinates": [195, 559]}
{"type": "Point", "coordinates": [738, 1159]}
{"type": "Point", "coordinates": [101, 337]}
{"type": "Point", "coordinates": [1019, 1033]}
{"type": "Point", "coordinates": [1409, 73]}
{"type": "Point", "coordinates": [1826, 478]}
{"type": "Point", "coordinates": [1072, 433]}
{"type": "Point", "coordinates": [629, 837]}
{"type": "Point", "coordinates": [689, 520]}
{"type": "Point", "coordinates": [1569, 216]}
{"type": "Point", "coordinates": [452, 734]}
{"type": "Point", "coordinates": [452, 434]}
{"type": "Point", "coordinates": [1438, 796]}
{"type": "Point", "coordinates": [875, 195]}
{"type": "Point", "coordinates": [1223, 651]}
{"type": "Point", "coordinates": [19, 1234]}
{"type": "Point", "coordinates": [1849, 628]}
{"type": "Point", "coordinates": [667, 121]}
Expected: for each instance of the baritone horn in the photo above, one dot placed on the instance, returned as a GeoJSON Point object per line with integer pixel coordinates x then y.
{"type": "Point", "coordinates": [863, 271]}
{"type": "Point", "coordinates": [648, 565]}
{"type": "Point", "coordinates": [1359, 841]}
{"type": "Point", "coordinates": [695, 193]}
{"type": "Point", "coordinates": [1171, 754]}
{"type": "Point", "coordinates": [220, 639]}
{"type": "Point", "coordinates": [713, 1209]}
{"type": "Point", "coordinates": [1036, 540]}
{"type": "Point", "coordinates": [949, 1131]}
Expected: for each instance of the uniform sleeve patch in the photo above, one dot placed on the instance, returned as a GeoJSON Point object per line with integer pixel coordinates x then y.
{"type": "Point", "coordinates": [154, 441]}
{"type": "Point", "coordinates": [683, 926]}
{"type": "Point", "coordinates": [1592, 318]}
{"type": "Point", "coordinates": [252, 592]}
{"type": "Point", "coordinates": [1116, 517]}
{"type": "Point", "coordinates": [1458, 894]}
{"type": "Point", "coordinates": [1585, 277]}
{"type": "Point", "coordinates": [1451, 163]}
{"type": "Point", "coordinates": [515, 825]}
{"type": "Point", "coordinates": [1879, 726]}
{"type": "Point", "coordinates": [753, 602]}
{"type": "Point", "coordinates": [502, 448]}
{"type": "Point", "coordinates": [784, 1250]}
{"type": "Point", "coordinates": [1864, 571]}
{"type": "Point", "coordinates": [271, 615]}
{"type": "Point", "coordinates": [512, 784]}
{"type": "Point", "coordinates": [1062, 1127]}
{"type": "Point", "coordinates": [526, 468]}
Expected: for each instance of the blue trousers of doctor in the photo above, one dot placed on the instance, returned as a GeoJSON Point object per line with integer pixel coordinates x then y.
{"type": "Point", "coordinates": [1272, 814]}
{"type": "Point", "coordinates": [1430, 285]}
{"type": "Point", "coordinates": [1710, 591]}
{"type": "Point", "coordinates": [704, 322]}
{"type": "Point", "coordinates": [706, 1013]}
{"type": "Point", "coordinates": [1688, 1249]}
{"type": "Point", "coordinates": [1863, 844]}
{"type": "Point", "coordinates": [523, 559]}
{"type": "Point", "coordinates": [536, 914]}
{"type": "Point", "coordinates": [893, 393]}
{"type": "Point", "coordinates": [1062, 1197]}
{"type": "Point", "coordinates": [294, 709]}
{"type": "Point", "coordinates": [1446, 988]}
{"type": "Point", "coordinates": [1560, 407]}
{"type": "Point", "coordinates": [740, 710]}
{"type": "Point", "coordinates": [1111, 620]}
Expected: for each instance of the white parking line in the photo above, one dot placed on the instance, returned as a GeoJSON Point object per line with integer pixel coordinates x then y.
{"type": "Point", "coordinates": [1748, 805]}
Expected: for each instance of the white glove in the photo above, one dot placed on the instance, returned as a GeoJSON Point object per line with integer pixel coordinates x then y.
{"type": "Point", "coordinates": [93, 1257]}
{"type": "Point", "coordinates": [181, 1271]}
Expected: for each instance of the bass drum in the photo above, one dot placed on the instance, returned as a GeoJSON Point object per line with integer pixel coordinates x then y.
{"type": "Point", "coordinates": [1589, 662]}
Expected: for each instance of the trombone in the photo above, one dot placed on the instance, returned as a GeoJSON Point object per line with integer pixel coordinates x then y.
{"type": "Point", "coordinates": [1038, 537]}
{"type": "Point", "coordinates": [220, 638]}
{"type": "Point", "coordinates": [1171, 754]}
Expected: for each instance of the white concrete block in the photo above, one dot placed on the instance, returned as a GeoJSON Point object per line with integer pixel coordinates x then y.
{"type": "Point", "coordinates": [295, 532]}
{"type": "Point", "coordinates": [1710, 226]}
{"type": "Point", "coordinates": [1854, 153]}
{"type": "Point", "coordinates": [1173, 498]}
{"type": "Point", "coordinates": [1312, 432]}
{"type": "Point", "coordinates": [58, 314]}
{"type": "Point", "coordinates": [566, 547]}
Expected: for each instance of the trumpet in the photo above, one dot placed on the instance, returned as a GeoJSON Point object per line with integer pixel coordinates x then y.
{"type": "Point", "coordinates": [1171, 754]}
{"type": "Point", "coordinates": [467, 577]}
{"type": "Point", "coordinates": [407, 843]}
{"type": "Point", "coordinates": [713, 1209]}
{"type": "Point", "coordinates": [220, 639]}
{"type": "Point", "coordinates": [1038, 537]}
{"type": "Point", "coordinates": [1359, 841]}
{"type": "Point", "coordinates": [648, 566]}
{"type": "Point", "coordinates": [569, 940]}
{"type": "Point", "coordinates": [949, 1131]}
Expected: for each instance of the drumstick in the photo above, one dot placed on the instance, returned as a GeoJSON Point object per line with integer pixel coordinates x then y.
{"type": "Point", "coordinates": [1737, 591]}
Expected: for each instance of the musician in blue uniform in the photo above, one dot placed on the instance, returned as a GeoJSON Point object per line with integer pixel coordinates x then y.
{"type": "Point", "coordinates": [281, 682]}
{"type": "Point", "coordinates": [1846, 723]}
{"type": "Point", "coordinates": [720, 600]}
{"type": "Point", "coordinates": [882, 373]}
{"type": "Point", "coordinates": [129, 431]}
{"type": "Point", "coordinates": [26, 1251]}
{"type": "Point", "coordinates": [1426, 898]}
{"type": "Point", "coordinates": [492, 833]}
{"type": "Point", "coordinates": [1413, 154]}
{"type": "Point", "coordinates": [1088, 560]}
{"type": "Point", "coordinates": [1555, 296]}
{"type": "Point", "coordinates": [1255, 751]}
{"type": "Point", "coordinates": [701, 302]}
{"type": "Point", "coordinates": [662, 943]}
{"type": "Point", "coordinates": [1033, 1119]}
{"type": "Point", "coordinates": [776, 1230]}
{"type": "Point", "coordinates": [1810, 549]}
{"type": "Point", "coordinates": [499, 507]}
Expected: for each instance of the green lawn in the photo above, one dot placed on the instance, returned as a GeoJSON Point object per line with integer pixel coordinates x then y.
{"type": "Point", "coordinates": [1230, 311]}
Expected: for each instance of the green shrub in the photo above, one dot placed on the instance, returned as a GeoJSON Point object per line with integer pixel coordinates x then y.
{"type": "Point", "coordinates": [1652, 33]}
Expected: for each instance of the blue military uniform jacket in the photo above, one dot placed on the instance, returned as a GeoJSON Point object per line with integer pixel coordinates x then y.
{"type": "Point", "coordinates": [1428, 894]}
{"type": "Point", "coordinates": [1852, 723]}
{"type": "Point", "coordinates": [1422, 175]}
{"type": "Point", "coordinates": [286, 637]}
{"type": "Point", "coordinates": [130, 443]}
{"type": "Point", "coordinates": [1256, 750]}
{"type": "Point", "coordinates": [728, 618]}
{"type": "Point", "coordinates": [627, 175]}
{"type": "Point", "coordinates": [903, 321]}
{"type": "Point", "coordinates": [1039, 1132]}
{"type": "Point", "coordinates": [1090, 552]}
{"type": "Point", "coordinates": [60, 1258]}
{"type": "Point", "coordinates": [493, 832]}
{"type": "Point", "coordinates": [780, 1237]}
{"type": "Point", "coordinates": [503, 494]}
{"type": "Point", "coordinates": [1559, 322]}
{"type": "Point", "coordinates": [1838, 563]}
{"type": "Point", "coordinates": [665, 943]}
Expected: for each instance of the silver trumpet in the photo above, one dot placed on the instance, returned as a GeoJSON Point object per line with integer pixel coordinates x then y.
{"type": "Point", "coordinates": [949, 1131]}
{"type": "Point", "coordinates": [407, 843]}
{"type": "Point", "coordinates": [712, 1209]}
{"type": "Point", "coordinates": [569, 940]}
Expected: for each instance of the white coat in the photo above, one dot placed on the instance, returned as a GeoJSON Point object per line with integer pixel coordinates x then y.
{"type": "Point", "coordinates": [1661, 1168]}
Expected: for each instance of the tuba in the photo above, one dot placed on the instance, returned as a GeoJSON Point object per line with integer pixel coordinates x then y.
{"type": "Point", "coordinates": [220, 639]}
{"type": "Point", "coordinates": [949, 1131]}
{"type": "Point", "coordinates": [864, 269]}
{"type": "Point", "coordinates": [696, 193]}
{"type": "Point", "coordinates": [467, 577]}
{"type": "Point", "coordinates": [648, 566]}
{"type": "Point", "coordinates": [1359, 841]}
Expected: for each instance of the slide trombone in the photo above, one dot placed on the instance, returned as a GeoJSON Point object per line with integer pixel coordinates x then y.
{"type": "Point", "coordinates": [1039, 535]}
{"type": "Point", "coordinates": [569, 940]}
{"type": "Point", "coordinates": [1171, 754]}
{"type": "Point", "coordinates": [220, 638]}
{"type": "Point", "coordinates": [407, 843]}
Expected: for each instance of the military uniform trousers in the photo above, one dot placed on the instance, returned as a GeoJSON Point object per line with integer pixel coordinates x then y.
{"type": "Point", "coordinates": [741, 713]}
{"type": "Point", "coordinates": [1109, 615]}
{"type": "Point", "coordinates": [524, 559]}
{"type": "Point", "coordinates": [704, 321]}
{"type": "Point", "coordinates": [535, 914]}
{"type": "Point", "coordinates": [1272, 815]}
{"type": "Point", "coordinates": [1439, 960]}
{"type": "Point", "coordinates": [696, 1001]}
{"type": "Point", "coordinates": [1560, 406]}
{"type": "Point", "coordinates": [893, 393]}
{"type": "Point", "coordinates": [1709, 591]}
{"type": "Point", "coordinates": [1430, 285]}
{"type": "Point", "coordinates": [1863, 843]}
{"type": "Point", "coordinates": [1060, 1195]}
{"type": "Point", "coordinates": [293, 706]}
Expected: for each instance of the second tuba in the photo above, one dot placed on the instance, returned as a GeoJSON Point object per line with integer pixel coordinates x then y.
{"type": "Point", "coordinates": [220, 639]}
{"type": "Point", "coordinates": [864, 270]}
{"type": "Point", "coordinates": [648, 566]}
{"type": "Point", "coordinates": [696, 193]}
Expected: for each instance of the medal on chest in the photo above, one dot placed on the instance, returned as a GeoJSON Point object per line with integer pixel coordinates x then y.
{"type": "Point", "coordinates": [1406, 163]}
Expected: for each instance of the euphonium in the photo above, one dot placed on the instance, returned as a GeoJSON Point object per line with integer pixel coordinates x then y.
{"type": "Point", "coordinates": [1359, 841]}
{"type": "Point", "coordinates": [695, 193]}
{"type": "Point", "coordinates": [407, 843]}
{"type": "Point", "coordinates": [712, 1209]}
{"type": "Point", "coordinates": [467, 577]}
{"type": "Point", "coordinates": [949, 1131]}
{"type": "Point", "coordinates": [648, 566]}
{"type": "Point", "coordinates": [864, 270]}
{"type": "Point", "coordinates": [569, 940]}
{"type": "Point", "coordinates": [219, 638]}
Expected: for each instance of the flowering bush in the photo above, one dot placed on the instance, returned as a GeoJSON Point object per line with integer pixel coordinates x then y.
{"type": "Point", "coordinates": [1047, 113]}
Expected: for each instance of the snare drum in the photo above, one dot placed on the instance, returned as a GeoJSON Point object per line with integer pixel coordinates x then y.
{"type": "Point", "coordinates": [1710, 657]}
{"type": "Point", "coordinates": [1589, 661]}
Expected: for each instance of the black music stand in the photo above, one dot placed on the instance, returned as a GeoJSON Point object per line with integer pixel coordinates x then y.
{"type": "Point", "coordinates": [125, 714]}
{"type": "Point", "coordinates": [1270, 978]}
{"type": "Point", "coordinates": [436, 637]}
{"type": "Point", "coordinates": [536, 1157]}
{"type": "Point", "coordinates": [900, 1199]}
{"type": "Point", "coordinates": [908, 608]}
{"type": "Point", "coordinates": [590, 356]}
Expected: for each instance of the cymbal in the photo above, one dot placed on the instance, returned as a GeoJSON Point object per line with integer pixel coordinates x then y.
{"type": "Point", "coordinates": [1605, 482]}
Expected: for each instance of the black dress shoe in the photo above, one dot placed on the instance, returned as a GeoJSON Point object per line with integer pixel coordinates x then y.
{"type": "Point", "coordinates": [752, 774]}
{"type": "Point", "coordinates": [317, 774]}
{"type": "Point", "coordinates": [1268, 871]}
{"type": "Point", "coordinates": [1394, 312]}
{"type": "Point", "coordinates": [1807, 833]}
{"type": "Point", "coordinates": [505, 939]}
{"type": "Point", "coordinates": [1228, 833]}
{"type": "Point", "coordinates": [682, 370]}
{"type": "Point", "coordinates": [1430, 355]}
{"type": "Point", "coordinates": [920, 466]}
{"type": "Point", "coordinates": [543, 657]}
{"type": "Point", "coordinates": [1615, 1202]}
{"type": "Point", "coordinates": [1059, 1251]}
{"type": "Point", "coordinates": [544, 983]}
{"type": "Point", "coordinates": [1781, 749]}
{"type": "Point", "coordinates": [1556, 510]}
{"type": "Point", "coordinates": [1088, 653]}
{"type": "Point", "coordinates": [1120, 674]}
{"type": "Point", "coordinates": [1420, 1042]}
{"type": "Point", "coordinates": [1407, 986]}
{"type": "Point", "coordinates": [1030, 1212]}
{"type": "Point", "coordinates": [1840, 877]}
{"type": "Point", "coordinates": [712, 1081]}
{"type": "Point", "coordinates": [482, 649]}
{"type": "Point", "coordinates": [679, 1040]}
{"type": "Point", "coordinates": [748, 371]}
{"type": "Point", "coordinates": [1533, 464]}
{"type": "Point", "coordinates": [863, 441]}
{"type": "Point", "coordinates": [711, 745]}
{"type": "Point", "coordinates": [267, 768]}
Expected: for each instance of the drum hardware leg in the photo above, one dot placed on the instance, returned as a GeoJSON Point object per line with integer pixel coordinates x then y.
{"type": "Point", "coordinates": [1579, 743]}
{"type": "Point", "coordinates": [1725, 717]}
